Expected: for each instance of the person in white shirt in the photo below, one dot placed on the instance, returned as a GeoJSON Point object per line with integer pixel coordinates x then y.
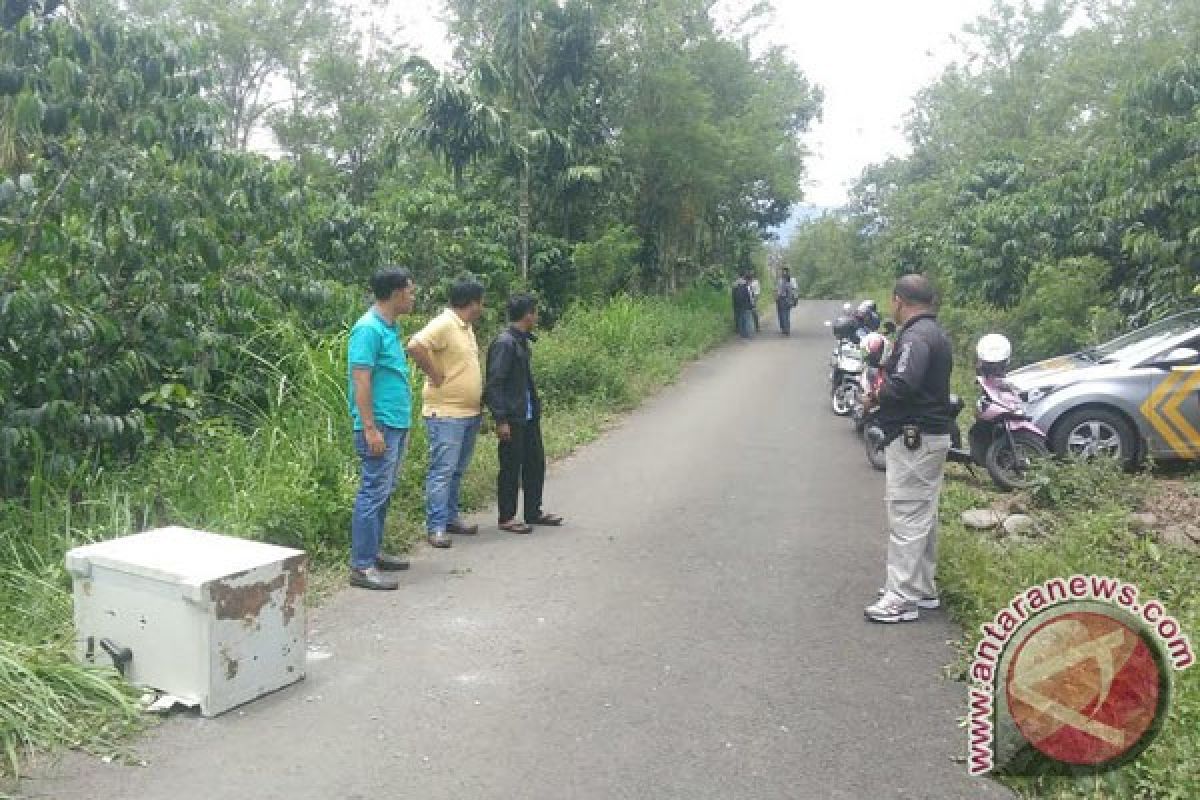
{"type": "Point", "coordinates": [755, 293]}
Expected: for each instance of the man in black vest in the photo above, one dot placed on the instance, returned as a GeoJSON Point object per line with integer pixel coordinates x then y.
{"type": "Point", "coordinates": [511, 396]}
{"type": "Point", "coordinates": [743, 307]}
{"type": "Point", "coordinates": [914, 413]}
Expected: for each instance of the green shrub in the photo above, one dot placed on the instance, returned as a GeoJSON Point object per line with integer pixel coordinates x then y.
{"type": "Point", "coordinates": [607, 265]}
{"type": "Point", "coordinates": [1076, 484]}
{"type": "Point", "coordinates": [1066, 308]}
{"type": "Point", "coordinates": [567, 372]}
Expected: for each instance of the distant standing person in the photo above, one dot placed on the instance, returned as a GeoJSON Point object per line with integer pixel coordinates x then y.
{"type": "Point", "coordinates": [755, 293]}
{"type": "Point", "coordinates": [742, 305]}
{"type": "Point", "coordinates": [786, 292]}
{"type": "Point", "coordinates": [512, 397]}
{"type": "Point", "coordinates": [446, 351]}
{"type": "Point", "coordinates": [914, 415]}
{"type": "Point", "coordinates": [381, 408]}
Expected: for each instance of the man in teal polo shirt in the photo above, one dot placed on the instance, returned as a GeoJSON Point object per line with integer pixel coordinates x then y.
{"type": "Point", "coordinates": [381, 407]}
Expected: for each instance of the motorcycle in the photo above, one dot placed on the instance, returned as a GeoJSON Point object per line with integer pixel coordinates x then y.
{"type": "Point", "coordinates": [1003, 439]}
{"type": "Point", "coordinates": [845, 367]}
{"type": "Point", "coordinates": [874, 440]}
{"type": "Point", "coordinates": [876, 347]}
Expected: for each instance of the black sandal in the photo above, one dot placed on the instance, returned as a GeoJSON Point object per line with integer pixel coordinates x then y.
{"type": "Point", "coordinates": [547, 519]}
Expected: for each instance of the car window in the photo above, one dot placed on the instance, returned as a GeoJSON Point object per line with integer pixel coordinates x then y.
{"type": "Point", "coordinates": [1191, 344]}
{"type": "Point", "coordinates": [1148, 341]}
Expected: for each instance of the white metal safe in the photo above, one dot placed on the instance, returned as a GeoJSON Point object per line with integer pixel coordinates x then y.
{"type": "Point", "coordinates": [214, 620]}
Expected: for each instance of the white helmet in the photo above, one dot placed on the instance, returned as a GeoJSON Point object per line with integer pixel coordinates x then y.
{"type": "Point", "coordinates": [994, 348]}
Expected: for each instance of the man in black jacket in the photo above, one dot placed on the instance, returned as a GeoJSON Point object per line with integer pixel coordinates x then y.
{"type": "Point", "coordinates": [914, 413]}
{"type": "Point", "coordinates": [511, 396]}
{"type": "Point", "coordinates": [743, 307]}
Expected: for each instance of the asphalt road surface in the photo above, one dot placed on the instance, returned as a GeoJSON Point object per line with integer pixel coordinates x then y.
{"type": "Point", "coordinates": [695, 632]}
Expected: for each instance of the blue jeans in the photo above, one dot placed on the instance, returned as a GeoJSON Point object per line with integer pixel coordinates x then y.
{"type": "Point", "coordinates": [784, 307]}
{"type": "Point", "coordinates": [451, 444]}
{"type": "Point", "coordinates": [746, 324]}
{"type": "Point", "coordinates": [374, 494]}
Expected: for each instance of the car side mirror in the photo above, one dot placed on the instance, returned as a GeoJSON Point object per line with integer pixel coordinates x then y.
{"type": "Point", "coordinates": [1180, 357]}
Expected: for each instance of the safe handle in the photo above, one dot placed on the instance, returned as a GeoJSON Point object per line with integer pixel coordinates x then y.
{"type": "Point", "coordinates": [121, 656]}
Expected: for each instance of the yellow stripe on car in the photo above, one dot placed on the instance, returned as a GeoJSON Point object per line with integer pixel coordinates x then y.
{"type": "Point", "coordinates": [1171, 410]}
{"type": "Point", "coordinates": [1161, 409]}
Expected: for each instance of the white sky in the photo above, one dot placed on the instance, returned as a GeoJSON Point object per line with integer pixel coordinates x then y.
{"type": "Point", "coordinates": [870, 57]}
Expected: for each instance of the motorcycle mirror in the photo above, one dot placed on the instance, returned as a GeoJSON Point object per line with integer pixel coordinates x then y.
{"type": "Point", "coordinates": [889, 327]}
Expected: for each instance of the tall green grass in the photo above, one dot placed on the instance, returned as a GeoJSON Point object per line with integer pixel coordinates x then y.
{"type": "Point", "coordinates": [284, 471]}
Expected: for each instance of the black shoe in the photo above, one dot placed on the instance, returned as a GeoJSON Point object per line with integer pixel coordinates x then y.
{"type": "Point", "coordinates": [439, 539]}
{"type": "Point", "coordinates": [371, 579]}
{"type": "Point", "coordinates": [390, 563]}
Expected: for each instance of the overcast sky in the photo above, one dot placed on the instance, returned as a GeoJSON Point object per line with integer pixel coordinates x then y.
{"type": "Point", "coordinates": [870, 56]}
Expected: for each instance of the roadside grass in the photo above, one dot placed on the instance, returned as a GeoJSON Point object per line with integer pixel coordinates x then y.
{"type": "Point", "coordinates": [1083, 510]}
{"type": "Point", "coordinates": [285, 473]}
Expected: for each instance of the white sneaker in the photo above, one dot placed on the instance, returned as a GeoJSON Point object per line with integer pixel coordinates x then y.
{"type": "Point", "coordinates": [891, 608]}
{"type": "Point", "coordinates": [925, 603]}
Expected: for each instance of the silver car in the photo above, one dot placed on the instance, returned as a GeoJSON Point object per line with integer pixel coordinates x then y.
{"type": "Point", "coordinates": [1136, 396]}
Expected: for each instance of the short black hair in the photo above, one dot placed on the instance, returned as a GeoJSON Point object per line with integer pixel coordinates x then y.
{"type": "Point", "coordinates": [915, 289]}
{"type": "Point", "coordinates": [520, 306]}
{"type": "Point", "coordinates": [465, 291]}
{"type": "Point", "coordinates": [388, 280]}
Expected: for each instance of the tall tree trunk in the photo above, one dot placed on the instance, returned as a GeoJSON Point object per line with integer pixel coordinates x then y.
{"type": "Point", "coordinates": [523, 214]}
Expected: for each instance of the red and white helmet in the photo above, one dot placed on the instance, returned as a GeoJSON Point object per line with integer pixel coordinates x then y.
{"type": "Point", "coordinates": [876, 348]}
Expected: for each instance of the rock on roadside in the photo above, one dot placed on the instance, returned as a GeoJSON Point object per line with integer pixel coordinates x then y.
{"type": "Point", "coordinates": [982, 519]}
{"type": "Point", "coordinates": [1142, 522]}
{"type": "Point", "coordinates": [1020, 525]}
{"type": "Point", "coordinates": [1177, 536]}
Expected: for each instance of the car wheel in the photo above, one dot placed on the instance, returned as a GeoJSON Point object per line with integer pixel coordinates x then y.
{"type": "Point", "coordinates": [1096, 432]}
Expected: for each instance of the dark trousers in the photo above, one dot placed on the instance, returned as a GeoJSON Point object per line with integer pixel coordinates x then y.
{"type": "Point", "coordinates": [522, 468]}
{"type": "Point", "coordinates": [784, 308]}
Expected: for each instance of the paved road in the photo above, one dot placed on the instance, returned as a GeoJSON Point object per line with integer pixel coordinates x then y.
{"type": "Point", "coordinates": [695, 633]}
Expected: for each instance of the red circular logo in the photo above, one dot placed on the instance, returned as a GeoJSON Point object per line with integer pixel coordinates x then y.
{"type": "Point", "coordinates": [1084, 688]}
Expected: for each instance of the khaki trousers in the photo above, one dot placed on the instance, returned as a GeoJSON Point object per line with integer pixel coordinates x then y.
{"type": "Point", "coordinates": [914, 485]}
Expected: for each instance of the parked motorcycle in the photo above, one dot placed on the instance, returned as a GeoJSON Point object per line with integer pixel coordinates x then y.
{"type": "Point", "coordinates": [845, 366]}
{"type": "Point", "coordinates": [1003, 439]}
{"type": "Point", "coordinates": [875, 348]}
{"type": "Point", "coordinates": [873, 440]}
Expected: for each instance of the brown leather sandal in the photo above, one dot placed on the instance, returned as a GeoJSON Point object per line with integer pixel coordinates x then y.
{"type": "Point", "coordinates": [514, 526]}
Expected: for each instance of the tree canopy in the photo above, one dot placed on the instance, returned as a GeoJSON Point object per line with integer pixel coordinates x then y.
{"type": "Point", "coordinates": [1056, 159]}
{"type": "Point", "coordinates": [576, 148]}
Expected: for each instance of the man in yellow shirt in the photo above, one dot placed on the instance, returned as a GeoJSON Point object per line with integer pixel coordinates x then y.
{"type": "Point", "coordinates": [446, 351]}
